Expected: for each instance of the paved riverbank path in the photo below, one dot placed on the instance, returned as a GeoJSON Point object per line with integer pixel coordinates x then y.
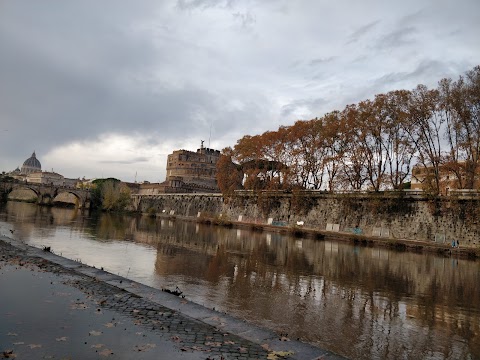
{"type": "Point", "coordinates": [56, 308]}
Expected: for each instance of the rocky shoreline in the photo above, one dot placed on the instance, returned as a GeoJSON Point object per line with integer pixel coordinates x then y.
{"type": "Point", "coordinates": [171, 324]}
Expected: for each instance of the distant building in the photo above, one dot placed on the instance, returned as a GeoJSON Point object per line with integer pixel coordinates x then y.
{"type": "Point", "coordinates": [31, 165]}
{"type": "Point", "coordinates": [31, 172]}
{"type": "Point", "coordinates": [188, 172]}
{"type": "Point", "coordinates": [46, 178]}
{"type": "Point", "coordinates": [447, 179]}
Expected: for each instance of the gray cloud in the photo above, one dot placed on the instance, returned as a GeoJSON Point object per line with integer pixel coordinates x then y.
{"type": "Point", "coordinates": [321, 61]}
{"type": "Point", "coordinates": [426, 69]}
{"type": "Point", "coordinates": [397, 38]}
{"type": "Point", "coordinates": [360, 32]}
{"type": "Point", "coordinates": [204, 4]}
{"type": "Point", "coordinates": [131, 161]}
{"type": "Point", "coordinates": [167, 74]}
{"type": "Point", "coordinates": [306, 107]}
{"type": "Point", "coordinates": [247, 20]}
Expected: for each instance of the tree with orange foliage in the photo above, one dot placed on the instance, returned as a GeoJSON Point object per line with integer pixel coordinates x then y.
{"type": "Point", "coordinates": [460, 106]}
{"type": "Point", "coordinates": [333, 146]}
{"type": "Point", "coordinates": [229, 175]}
{"type": "Point", "coordinates": [308, 148]}
{"type": "Point", "coordinates": [400, 151]}
{"type": "Point", "coordinates": [426, 132]}
{"type": "Point", "coordinates": [353, 174]}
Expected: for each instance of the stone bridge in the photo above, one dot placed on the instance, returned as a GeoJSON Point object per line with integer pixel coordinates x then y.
{"type": "Point", "coordinates": [48, 194]}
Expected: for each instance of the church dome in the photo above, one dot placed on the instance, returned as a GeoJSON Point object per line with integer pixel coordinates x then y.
{"type": "Point", "coordinates": [31, 165]}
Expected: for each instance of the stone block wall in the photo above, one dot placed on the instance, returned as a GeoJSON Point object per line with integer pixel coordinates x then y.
{"type": "Point", "coordinates": [378, 215]}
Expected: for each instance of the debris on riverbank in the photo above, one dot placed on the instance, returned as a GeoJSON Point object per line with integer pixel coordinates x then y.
{"type": "Point", "coordinates": [75, 305]}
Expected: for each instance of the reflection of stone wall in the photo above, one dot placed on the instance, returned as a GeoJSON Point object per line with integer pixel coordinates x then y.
{"type": "Point", "coordinates": [394, 218]}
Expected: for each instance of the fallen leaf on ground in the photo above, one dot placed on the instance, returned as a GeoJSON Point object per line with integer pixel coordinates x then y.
{"type": "Point", "coordinates": [97, 346]}
{"type": "Point", "coordinates": [78, 306]}
{"type": "Point", "coordinates": [95, 333]}
{"type": "Point", "coordinates": [284, 338]}
{"type": "Point", "coordinates": [176, 338]}
{"type": "Point", "coordinates": [144, 347]}
{"type": "Point", "coordinates": [8, 354]}
{"type": "Point", "coordinates": [266, 347]}
{"type": "Point", "coordinates": [106, 352]}
{"type": "Point", "coordinates": [33, 346]}
{"type": "Point", "coordinates": [63, 338]}
{"type": "Point", "coordinates": [212, 343]}
{"type": "Point", "coordinates": [274, 355]}
{"type": "Point", "coordinates": [228, 342]}
{"type": "Point", "coordinates": [109, 325]}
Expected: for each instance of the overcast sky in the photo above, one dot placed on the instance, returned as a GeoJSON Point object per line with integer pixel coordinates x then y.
{"type": "Point", "coordinates": [109, 88]}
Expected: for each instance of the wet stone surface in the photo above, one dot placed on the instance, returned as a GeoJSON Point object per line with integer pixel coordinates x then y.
{"type": "Point", "coordinates": [49, 312]}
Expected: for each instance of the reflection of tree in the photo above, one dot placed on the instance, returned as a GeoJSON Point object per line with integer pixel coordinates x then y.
{"type": "Point", "coordinates": [108, 226]}
{"type": "Point", "coordinates": [356, 293]}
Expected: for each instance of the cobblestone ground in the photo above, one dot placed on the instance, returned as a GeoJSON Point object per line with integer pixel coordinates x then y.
{"type": "Point", "coordinates": [190, 334]}
{"type": "Point", "coordinates": [190, 338]}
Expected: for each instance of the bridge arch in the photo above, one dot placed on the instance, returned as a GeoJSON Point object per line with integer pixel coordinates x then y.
{"type": "Point", "coordinates": [48, 194]}
{"type": "Point", "coordinates": [24, 193]}
{"type": "Point", "coordinates": [62, 196]}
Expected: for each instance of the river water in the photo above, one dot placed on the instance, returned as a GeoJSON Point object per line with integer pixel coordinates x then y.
{"type": "Point", "coordinates": [360, 302]}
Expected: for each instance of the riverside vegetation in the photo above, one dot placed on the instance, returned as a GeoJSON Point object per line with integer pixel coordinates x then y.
{"type": "Point", "coordinates": [371, 145]}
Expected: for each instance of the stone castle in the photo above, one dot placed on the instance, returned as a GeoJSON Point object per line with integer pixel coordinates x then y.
{"type": "Point", "coordinates": [188, 172]}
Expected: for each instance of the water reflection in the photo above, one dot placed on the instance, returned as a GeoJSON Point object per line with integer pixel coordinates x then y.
{"type": "Point", "coordinates": [359, 302]}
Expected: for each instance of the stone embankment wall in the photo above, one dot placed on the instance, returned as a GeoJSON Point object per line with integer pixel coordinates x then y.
{"type": "Point", "coordinates": [379, 215]}
{"type": "Point", "coordinates": [210, 205]}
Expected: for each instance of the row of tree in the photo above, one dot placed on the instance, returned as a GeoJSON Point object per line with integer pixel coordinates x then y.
{"type": "Point", "coordinates": [370, 145]}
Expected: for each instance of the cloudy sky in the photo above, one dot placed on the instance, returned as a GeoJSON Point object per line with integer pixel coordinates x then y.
{"type": "Point", "coordinates": [109, 88]}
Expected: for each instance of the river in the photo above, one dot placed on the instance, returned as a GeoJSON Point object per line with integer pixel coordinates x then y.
{"type": "Point", "coordinates": [360, 302]}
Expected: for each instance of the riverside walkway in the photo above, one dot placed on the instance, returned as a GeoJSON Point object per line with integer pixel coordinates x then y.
{"type": "Point", "coordinates": [55, 308]}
